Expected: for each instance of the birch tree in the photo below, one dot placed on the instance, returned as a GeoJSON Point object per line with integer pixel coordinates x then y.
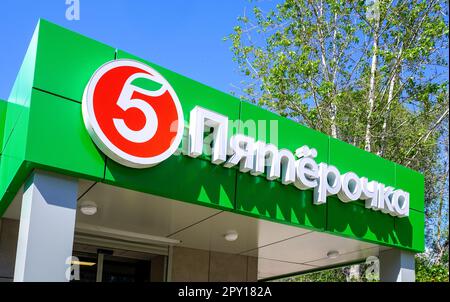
{"type": "Point", "coordinates": [371, 73]}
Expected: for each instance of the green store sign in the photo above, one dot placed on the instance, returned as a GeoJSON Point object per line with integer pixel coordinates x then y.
{"type": "Point", "coordinates": [82, 108]}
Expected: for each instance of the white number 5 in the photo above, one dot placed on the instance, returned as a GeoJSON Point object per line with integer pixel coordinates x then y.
{"type": "Point", "coordinates": [125, 102]}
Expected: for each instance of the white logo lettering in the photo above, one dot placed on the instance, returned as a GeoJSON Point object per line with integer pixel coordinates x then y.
{"type": "Point", "coordinates": [300, 169]}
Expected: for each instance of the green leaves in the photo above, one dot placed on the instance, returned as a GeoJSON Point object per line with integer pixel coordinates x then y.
{"type": "Point", "coordinates": [431, 272]}
{"type": "Point", "coordinates": [311, 61]}
{"type": "Point", "coordinates": [312, 53]}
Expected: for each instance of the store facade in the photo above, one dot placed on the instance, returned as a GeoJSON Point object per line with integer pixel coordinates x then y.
{"type": "Point", "coordinates": [115, 169]}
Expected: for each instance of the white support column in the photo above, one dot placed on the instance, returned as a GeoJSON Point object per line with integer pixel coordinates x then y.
{"type": "Point", "coordinates": [397, 266]}
{"type": "Point", "coordinates": [46, 231]}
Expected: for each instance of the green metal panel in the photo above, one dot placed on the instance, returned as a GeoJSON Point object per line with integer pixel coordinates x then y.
{"type": "Point", "coordinates": [410, 231]}
{"type": "Point", "coordinates": [61, 62]}
{"type": "Point", "coordinates": [2, 122]}
{"type": "Point", "coordinates": [16, 141]}
{"type": "Point", "coordinates": [19, 99]}
{"type": "Point", "coordinates": [291, 135]}
{"type": "Point", "coordinates": [350, 158]}
{"type": "Point", "coordinates": [2, 128]}
{"type": "Point", "coordinates": [13, 172]}
{"type": "Point", "coordinates": [66, 60]}
{"type": "Point", "coordinates": [181, 177]}
{"type": "Point", "coordinates": [54, 123]}
{"type": "Point", "coordinates": [412, 182]}
{"type": "Point", "coordinates": [368, 224]}
{"type": "Point", "coordinates": [13, 157]}
{"type": "Point", "coordinates": [355, 221]}
{"type": "Point", "coordinates": [270, 199]}
{"type": "Point", "coordinates": [13, 167]}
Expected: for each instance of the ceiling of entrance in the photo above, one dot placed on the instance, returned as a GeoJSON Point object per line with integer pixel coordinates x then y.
{"type": "Point", "coordinates": [281, 249]}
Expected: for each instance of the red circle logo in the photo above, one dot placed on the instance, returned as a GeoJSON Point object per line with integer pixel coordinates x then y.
{"type": "Point", "coordinates": [135, 126]}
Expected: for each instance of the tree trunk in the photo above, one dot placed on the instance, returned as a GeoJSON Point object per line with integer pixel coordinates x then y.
{"type": "Point", "coordinates": [441, 247]}
{"type": "Point", "coordinates": [372, 83]}
{"type": "Point", "coordinates": [333, 97]}
{"type": "Point", "coordinates": [333, 120]}
{"type": "Point", "coordinates": [386, 115]}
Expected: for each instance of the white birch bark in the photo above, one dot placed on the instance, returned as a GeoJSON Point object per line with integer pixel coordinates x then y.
{"type": "Point", "coordinates": [372, 83]}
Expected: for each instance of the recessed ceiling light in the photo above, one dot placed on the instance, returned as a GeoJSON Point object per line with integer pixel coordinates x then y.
{"type": "Point", "coordinates": [88, 208]}
{"type": "Point", "coordinates": [231, 235]}
{"type": "Point", "coordinates": [333, 254]}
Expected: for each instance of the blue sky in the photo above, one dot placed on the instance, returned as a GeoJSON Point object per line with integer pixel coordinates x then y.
{"type": "Point", "coordinates": [182, 35]}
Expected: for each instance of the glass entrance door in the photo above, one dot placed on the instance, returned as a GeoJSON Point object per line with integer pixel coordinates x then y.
{"type": "Point", "coordinates": [117, 266]}
{"type": "Point", "coordinates": [119, 269]}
